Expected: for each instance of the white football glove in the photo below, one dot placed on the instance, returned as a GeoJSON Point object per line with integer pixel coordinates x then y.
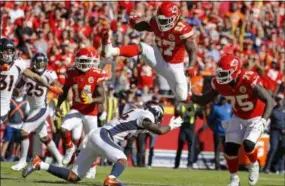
{"type": "Point", "coordinates": [103, 116]}
{"type": "Point", "coordinates": [260, 124]}
{"type": "Point", "coordinates": [175, 122]}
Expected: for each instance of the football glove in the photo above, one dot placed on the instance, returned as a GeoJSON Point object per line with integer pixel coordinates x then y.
{"type": "Point", "coordinates": [4, 67]}
{"type": "Point", "coordinates": [56, 90]}
{"type": "Point", "coordinates": [175, 122]}
{"type": "Point", "coordinates": [86, 98]}
{"type": "Point", "coordinates": [103, 116]}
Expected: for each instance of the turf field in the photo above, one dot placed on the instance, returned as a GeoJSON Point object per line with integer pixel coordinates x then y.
{"type": "Point", "coordinates": [139, 177]}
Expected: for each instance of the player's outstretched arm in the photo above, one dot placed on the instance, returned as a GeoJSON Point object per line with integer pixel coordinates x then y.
{"type": "Point", "coordinates": [206, 98]}
{"type": "Point", "coordinates": [264, 96]}
{"type": "Point", "coordinates": [158, 129]}
{"type": "Point", "coordinates": [35, 77]}
{"type": "Point", "coordinates": [190, 47]}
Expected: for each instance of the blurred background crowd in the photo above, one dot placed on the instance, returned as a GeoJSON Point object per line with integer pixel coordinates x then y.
{"type": "Point", "coordinates": [253, 31]}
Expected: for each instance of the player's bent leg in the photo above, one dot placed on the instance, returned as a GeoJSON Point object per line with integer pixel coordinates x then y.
{"type": "Point", "coordinates": [117, 170]}
{"type": "Point", "coordinates": [60, 172]}
{"type": "Point", "coordinates": [231, 155]}
{"type": "Point", "coordinates": [52, 148]}
{"type": "Point", "coordinates": [25, 143]}
{"type": "Point", "coordinates": [253, 169]}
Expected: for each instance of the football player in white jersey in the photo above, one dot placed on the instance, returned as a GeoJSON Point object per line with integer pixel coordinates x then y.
{"type": "Point", "coordinates": [100, 142]}
{"type": "Point", "coordinates": [10, 74]}
{"type": "Point", "coordinates": [35, 121]}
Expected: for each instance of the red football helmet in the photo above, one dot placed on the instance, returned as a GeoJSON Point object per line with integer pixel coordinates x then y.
{"type": "Point", "coordinates": [87, 58]}
{"type": "Point", "coordinates": [167, 16]}
{"type": "Point", "coordinates": [228, 69]}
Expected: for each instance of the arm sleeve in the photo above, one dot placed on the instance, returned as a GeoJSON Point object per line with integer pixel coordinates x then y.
{"type": "Point", "coordinates": [186, 32]}
{"type": "Point", "coordinates": [145, 115]}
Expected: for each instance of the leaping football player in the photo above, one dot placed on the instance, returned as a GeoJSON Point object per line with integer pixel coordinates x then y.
{"type": "Point", "coordinates": [85, 80]}
{"type": "Point", "coordinates": [174, 37]}
{"type": "Point", "coordinates": [35, 121]}
{"type": "Point", "coordinates": [100, 142]}
{"type": "Point", "coordinates": [10, 74]}
{"type": "Point", "coordinates": [252, 106]}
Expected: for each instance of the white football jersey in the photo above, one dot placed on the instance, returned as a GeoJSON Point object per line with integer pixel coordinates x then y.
{"type": "Point", "coordinates": [8, 80]}
{"type": "Point", "coordinates": [37, 94]}
{"type": "Point", "coordinates": [129, 124]}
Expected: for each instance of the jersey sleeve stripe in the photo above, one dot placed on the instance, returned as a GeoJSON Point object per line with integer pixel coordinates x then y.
{"type": "Point", "coordinates": [187, 35]}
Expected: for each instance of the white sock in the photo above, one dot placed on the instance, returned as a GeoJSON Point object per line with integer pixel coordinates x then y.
{"type": "Point", "coordinates": [54, 151]}
{"type": "Point", "coordinates": [234, 175]}
{"type": "Point", "coordinates": [44, 166]}
{"type": "Point", "coordinates": [111, 176]}
{"type": "Point", "coordinates": [24, 148]}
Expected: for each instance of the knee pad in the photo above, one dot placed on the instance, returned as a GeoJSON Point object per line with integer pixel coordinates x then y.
{"type": "Point", "coordinates": [45, 140]}
{"type": "Point", "coordinates": [248, 146]}
{"type": "Point", "coordinates": [231, 149]}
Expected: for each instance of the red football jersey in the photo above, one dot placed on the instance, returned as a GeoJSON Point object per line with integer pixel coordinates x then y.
{"type": "Point", "coordinates": [171, 42]}
{"type": "Point", "coordinates": [245, 104]}
{"type": "Point", "coordinates": [80, 82]}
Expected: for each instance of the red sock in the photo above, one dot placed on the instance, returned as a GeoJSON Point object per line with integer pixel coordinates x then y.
{"type": "Point", "coordinates": [252, 156]}
{"type": "Point", "coordinates": [232, 165]}
{"type": "Point", "coordinates": [76, 142]}
{"type": "Point", "coordinates": [66, 139]}
{"type": "Point", "coordinates": [129, 50]}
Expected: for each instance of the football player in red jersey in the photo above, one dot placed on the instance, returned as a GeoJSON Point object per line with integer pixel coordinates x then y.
{"type": "Point", "coordinates": [85, 80]}
{"type": "Point", "coordinates": [174, 38]}
{"type": "Point", "coordinates": [252, 106]}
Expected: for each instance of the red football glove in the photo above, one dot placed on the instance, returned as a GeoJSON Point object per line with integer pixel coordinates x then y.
{"type": "Point", "coordinates": [133, 20]}
{"type": "Point", "coordinates": [4, 67]}
{"type": "Point", "coordinates": [56, 90]}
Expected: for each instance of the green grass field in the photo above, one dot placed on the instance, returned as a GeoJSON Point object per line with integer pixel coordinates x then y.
{"type": "Point", "coordinates": [139, 177]}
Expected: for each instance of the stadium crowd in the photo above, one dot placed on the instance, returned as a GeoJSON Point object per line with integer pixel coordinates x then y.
{"type": "Point", "coordinates": [253, 31]}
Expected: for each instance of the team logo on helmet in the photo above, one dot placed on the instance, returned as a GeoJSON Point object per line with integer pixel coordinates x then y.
{"type": "Point", "coordinates": [234, 62]}
{"type": "Point", "coordinates": [242, 89]}
{"type": "Point", "coordinates": [90, 80]}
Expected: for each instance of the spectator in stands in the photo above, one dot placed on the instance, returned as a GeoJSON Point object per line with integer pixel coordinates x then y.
{"type": "Point", "coordinates": [186, 133]}
{"type": "Point", "coordinates": [221, 112]}
{"type": "Point", "coordinates": [277, 130]}
{"type": "Point", "coordinates": [18, 112]}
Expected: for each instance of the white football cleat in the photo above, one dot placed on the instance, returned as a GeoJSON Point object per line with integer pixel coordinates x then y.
{"type": "Point", "coordinates": [234, 181]}
{"type": "Point", "coordinates": [19, 166]}
{"type": "Point", "coordinates": [91, 173]}
{"type": "Point", "coordinates": [68, 155]}
{"type": "Point", "coordinates": [253, 173]}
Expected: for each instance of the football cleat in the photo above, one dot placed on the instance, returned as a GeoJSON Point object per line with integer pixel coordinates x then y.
{"type": "Point", "coordinates": [113, 182]}
{"type": "Point", "coordinates": [19, 166]}
{"type": "Point", "coordinates": [234, 181]}
{"type": "Point", "coordinates": [68, 155]}
{"type": "Point", "coordinates": [253, 173]}
{"type": "Point", "coordinates": [91, 173]}
{"type": "Point", "coordinates": [31, 167]}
